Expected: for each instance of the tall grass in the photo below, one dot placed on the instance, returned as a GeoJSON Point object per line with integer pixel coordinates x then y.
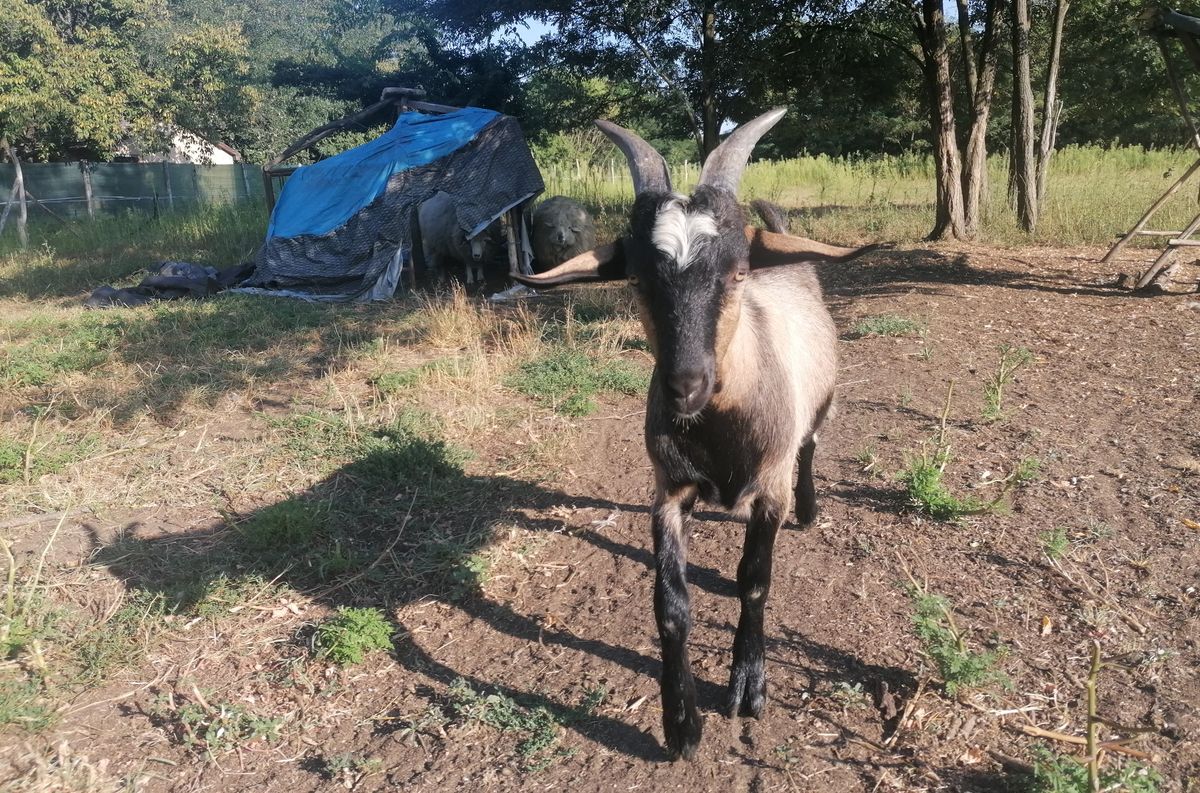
{"type": "Point", "coordinates": [1094, 193]}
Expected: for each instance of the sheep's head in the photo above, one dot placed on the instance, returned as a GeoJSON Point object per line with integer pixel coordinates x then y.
{"type": "Point", "coordinates": [687, 258]}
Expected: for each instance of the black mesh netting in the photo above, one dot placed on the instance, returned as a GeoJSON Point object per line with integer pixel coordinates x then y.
{"type": "Point", "coordinates": [358, 260]}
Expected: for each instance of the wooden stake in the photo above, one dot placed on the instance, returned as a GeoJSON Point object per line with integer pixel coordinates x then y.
{"type": "Point", "coordinates": [1093, 726]}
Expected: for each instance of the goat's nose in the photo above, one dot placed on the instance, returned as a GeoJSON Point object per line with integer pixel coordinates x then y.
{"type": "Point", "coordinates": [687, 387]}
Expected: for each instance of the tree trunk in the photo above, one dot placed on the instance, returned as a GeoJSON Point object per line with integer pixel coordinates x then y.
{"type": "Point", "coordinates": [968, 49]}
{"type": "Point", "coordinates": [708, 101]}
{"type": "Point", "coordinates": [18, 192]}
{"type": "Point", "coordinates": [1024, 165]}
{"type": "Point", "coordinates": [1051, 106]}
{"type": "Point", "coordinates": [983, 91]}
{"type": "Point", "coordinates": [931, 32]}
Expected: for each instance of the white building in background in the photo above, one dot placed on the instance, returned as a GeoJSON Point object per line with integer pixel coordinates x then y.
{"type": "Point", "coordinates": [185, 147]}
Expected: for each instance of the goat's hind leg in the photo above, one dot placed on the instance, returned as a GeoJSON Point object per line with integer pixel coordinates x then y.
{"type": "Point", "coordinates": [806, 493]}
{"type": "Point", "coordinates": [748, 677]}
{"type": "Point", "coordinates": [682, 724]}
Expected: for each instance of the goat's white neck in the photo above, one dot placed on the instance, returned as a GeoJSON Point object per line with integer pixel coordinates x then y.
{"type": "Point", "coordinates": [681, 234]}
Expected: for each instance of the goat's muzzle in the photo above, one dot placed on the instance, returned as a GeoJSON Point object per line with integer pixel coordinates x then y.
{"type": "Point", "coordinates": [688, 391]}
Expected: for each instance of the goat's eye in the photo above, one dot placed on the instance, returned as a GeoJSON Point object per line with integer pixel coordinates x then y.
{"type": "Point", "coordinates": [740, 275]}
{"type": "Point", "coordinates": [633, 280]}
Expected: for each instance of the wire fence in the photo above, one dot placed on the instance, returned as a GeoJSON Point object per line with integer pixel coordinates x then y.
{"type": "Point", "coordinates": [83, 189]}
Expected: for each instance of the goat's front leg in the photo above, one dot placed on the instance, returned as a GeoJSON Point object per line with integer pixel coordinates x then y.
{"type": "Point", "coordinates": [748, 677]}
{"type": "Point", "coordinates": [681, 720]}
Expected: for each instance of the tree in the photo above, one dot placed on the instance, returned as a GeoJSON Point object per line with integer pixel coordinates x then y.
{"type": "Point", "coordinates": [1031, 153]}
{"type": "Point", "coordinates": [929, 25]}
{"type": "Point", "coordinates": [71, 81]}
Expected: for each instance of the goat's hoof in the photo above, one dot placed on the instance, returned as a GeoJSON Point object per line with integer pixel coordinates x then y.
{"type": "Point", "coordinates": [683, 736]}
{"type": "Point", "coordinates": [747, 690]}
{"type": "Point", "coordinates": [806, 514]}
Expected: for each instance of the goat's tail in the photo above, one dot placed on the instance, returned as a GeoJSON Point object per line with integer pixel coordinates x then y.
{"type": "Point", "coordinates": [774, 217]}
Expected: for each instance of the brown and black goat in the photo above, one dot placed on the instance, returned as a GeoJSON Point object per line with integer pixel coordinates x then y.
{"type": "Point", "coordinates": [745, 365]}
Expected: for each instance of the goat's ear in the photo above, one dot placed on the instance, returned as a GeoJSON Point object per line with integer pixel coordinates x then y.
{"type": "Point", "coordinates": [770, 249]}
{"type": "Point", "coordinates": [605, 263]}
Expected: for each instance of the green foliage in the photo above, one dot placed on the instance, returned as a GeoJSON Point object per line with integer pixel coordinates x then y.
{"type": "Point", "coordinates": [1012, 359]}
{"type": "Point", "coordinates": [1055, 543]}
{"type": "Point", "coordinates": [1055, 773]}
{"type": "Point", "coordinates": [23, 704]}
{"type": "Point", "coordinates": [346, 637]}
{"type": "Point", "coordinates": [946, 646]}
{"type": "Point", "coordinates": [568, 379]}
{"type": "Point", "coordinates": [537, 726]}
{"type": "Point", "coordinates": [50, 349]}
{"type": "Point", "coordinates": [886, 325]}
{"type": "Point", "coordinates": [922, 476]}
{"type": "Point", "coordinates": [287, 525]}
{"type": "Point", "coordinates": [120, 641]}
{"type": "Point", "coordinates": [218, 728]}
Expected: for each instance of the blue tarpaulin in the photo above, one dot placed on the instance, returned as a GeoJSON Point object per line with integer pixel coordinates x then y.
{"type": "Point", "coordinates": [319, 198]}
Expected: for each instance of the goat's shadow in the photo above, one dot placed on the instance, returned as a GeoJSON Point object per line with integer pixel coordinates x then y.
{"type": "Point", "coordinates": [328, 541]}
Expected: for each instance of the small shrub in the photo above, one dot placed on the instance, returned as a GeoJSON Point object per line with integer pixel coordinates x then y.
{"type": "Point", "coordinates": [216, 728]}
{"type": "Point", "coordinates": [1011, 360]}
{"type": "Point", "coordinates": [922, 477]}
{"type": "Point", "coordinates": [346, 637]}
{"type": "Point", "coordinates": [285, 526]}
{"type": "Point", "coordinates": [886, 325]}
{"type": "Point", "coordinates": [1055, 773]}
{"type": "Point", "coordinates": [537, 725]}
{"type": "Point", "coordinates": [1055, 543]}
{"type": "Point", "coordinates": [946, 645]}
{"type": "Point", "coordinates": [23, 704]}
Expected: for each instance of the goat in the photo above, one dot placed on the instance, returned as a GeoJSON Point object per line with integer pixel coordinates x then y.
{"type": "Point", "coordinates": [562, 229]}
{"type": "Point", "coordinates": [745, 365]}
{"type": "Point", "coordinates": [442, 238]}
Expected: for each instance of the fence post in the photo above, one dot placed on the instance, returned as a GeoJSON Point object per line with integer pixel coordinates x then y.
{"type": "Point", "coordinates": [85, 168]}
{"type": "Point", "coordinates": [196, 182]}
{"type": "Point", "coordinates": [170, 194]}
{"type": "Point", "coordinates": [245, 180]}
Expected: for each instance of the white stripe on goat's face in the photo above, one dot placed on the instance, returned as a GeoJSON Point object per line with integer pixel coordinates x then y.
{"type": "Point", "coordinates": [681, 234]}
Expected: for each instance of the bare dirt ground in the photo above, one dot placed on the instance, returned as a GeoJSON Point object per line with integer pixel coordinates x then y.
{"type": "Point", "coordinates": [1107, 408]}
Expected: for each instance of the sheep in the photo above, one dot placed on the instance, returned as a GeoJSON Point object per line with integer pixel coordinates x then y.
{"type": "Point", "coordinates": [745, 365]}
{"type": "Point", "coordinates": [442, 239]}
{"type": "Point", "coordinates": [562, 229]}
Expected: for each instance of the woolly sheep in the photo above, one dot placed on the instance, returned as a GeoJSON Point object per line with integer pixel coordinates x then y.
{"type": "Point", "coordinates": [443, 240]}
{"type": "Point", "coordinates": [562, 229]}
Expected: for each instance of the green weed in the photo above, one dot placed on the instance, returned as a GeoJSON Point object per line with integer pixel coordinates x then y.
{"type": "Point", "coordinates": [121, 640]}
{"type": "Point", "coordinates": [922, 477]}
{"type": "Point", "coordinates": [568, 379]}
{"type": "Point", "coordinates": [886, 325]}
{"type": "Point", "coordinates": [350, 769]}
{"type": "Point", "coordinates": [850, 696]}
{"type": "Point", "coordinates": [24, 704]}
{"type": "Point", "coordinates": [1055, 543]}
{"type": "Point", "coordinates": [1012, 359]}
{"type": "Point", "coordinates": [349, 635]}
{"type": "Point", "coordinates": [867, 459]}
{"type": "Point", "coordinates": [285, 526]}
{"type": "Point", "coordinates": [1055, 773]}
{"type": "Point", "coordinates": [537, 726]}
{"type": "Point", "coordinates": [946, 645]}
{"type": "Point", "coordinates": [214, 728]}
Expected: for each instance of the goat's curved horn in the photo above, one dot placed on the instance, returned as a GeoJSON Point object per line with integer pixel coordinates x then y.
{"type": "Point", "coordinates": [724, 166]}
{"type": "Point", "coordinates": [604, 263]}
{"type": "Point", "coordinates": [768, 248]}
{"type": "Point", "coordinates": [646, 166]}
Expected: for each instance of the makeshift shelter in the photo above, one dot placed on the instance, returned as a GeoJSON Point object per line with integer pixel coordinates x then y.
{"type": "Point", "coordinates": [1164, 25]}
{"type": "Point", "coordinates": [342, 228]}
